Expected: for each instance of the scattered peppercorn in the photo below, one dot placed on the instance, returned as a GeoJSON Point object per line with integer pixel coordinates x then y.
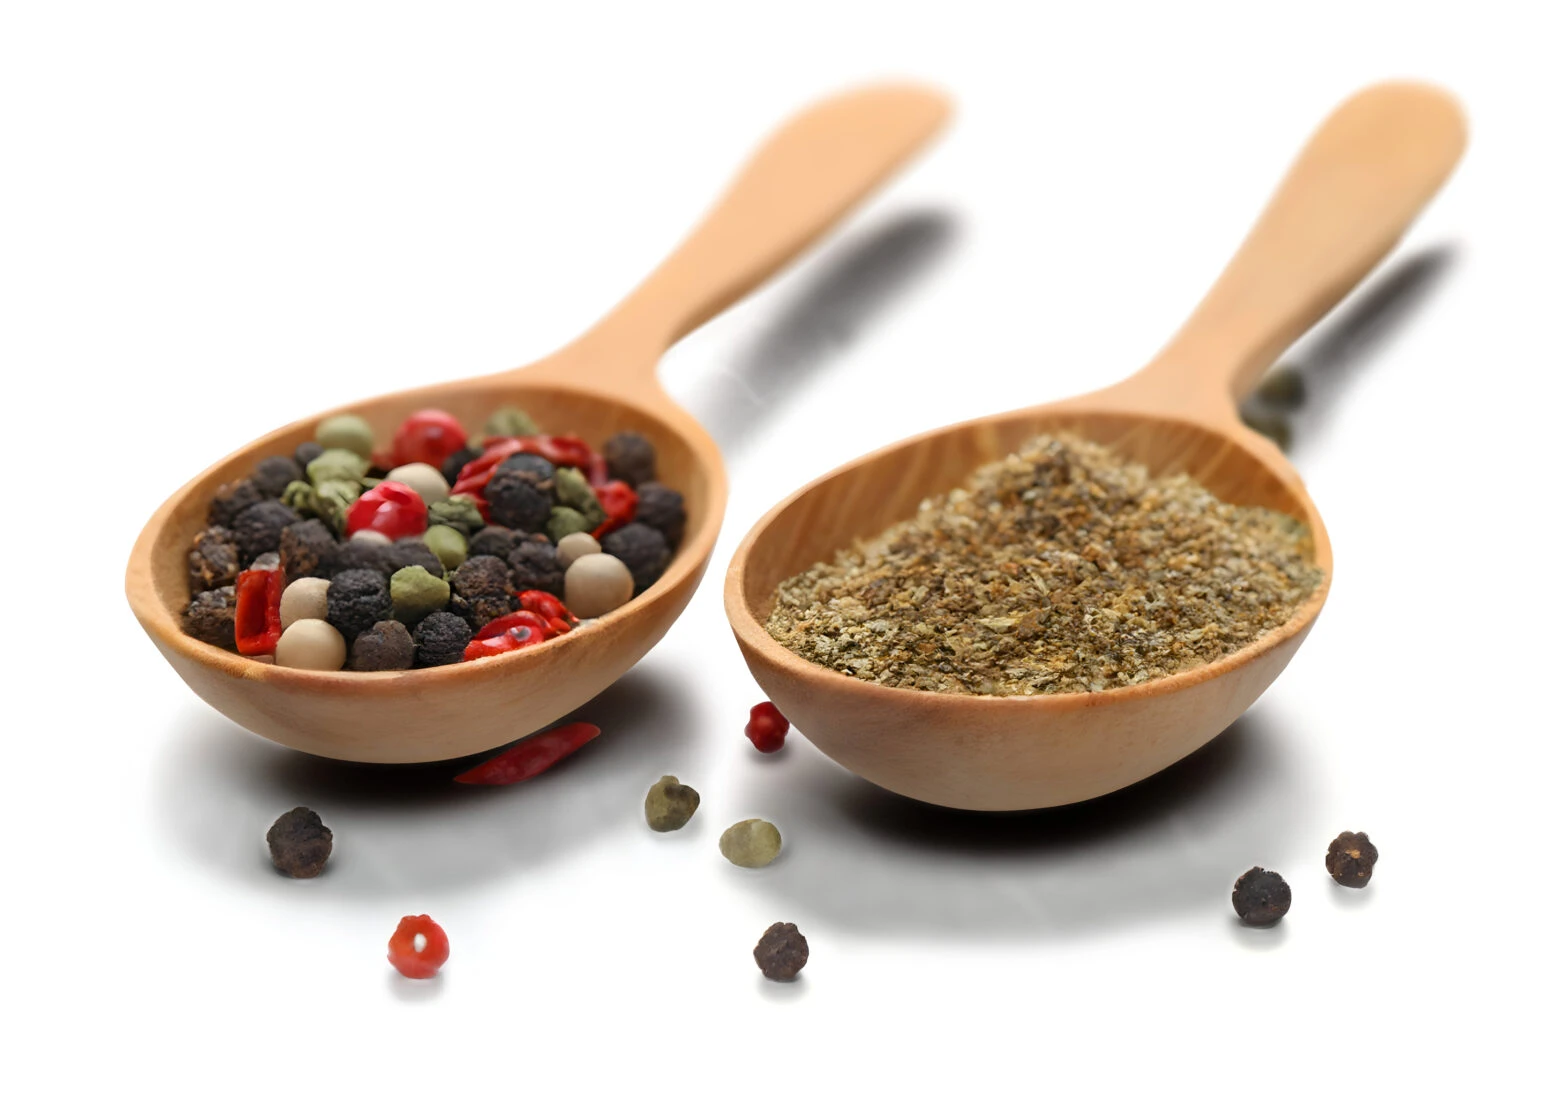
{"type": "Point", "coordinates": [781, 952]}
{"type": "Point", "coordinates": [767, 727]}
{"type": "Point", "coordinates": [661, 508]}
{"type": "Point", "coordinates": [535, 564]}
{"type": "Point", "coordinates": [307, 549]}
{"type": "Point", "coordinates": [1261, 897]}
{"type": "Point", "coordinates": [232, 499]}
{"type": "Point", "coordinates": [306, 452]}
{"type": "Point", "coordinates": [460, 513]}
{"type": "Point", "coordinates": [494, 540]}
{"type": "Point", "coordinates": [642, 549]}
{"type": "Point", "coordinates": [418, 947]}
{"type": "Point", "coordinates": [356, 599]}
{"type": "Point", "coordinates": [215, 560]}
{"type": "Point", "coordinates": [448, 544]}
{"type": "Point", "coordinates": [481, 590]}
{"type": "Point", "coordinates": [508, 420]}
{"type": "Point", "coordinates": [386, 647]}
{"type": "Point", "coordinates": [1350, 860]}
{"type": "Point", "coordinates": [751, 843]}
{"type": "Point", "coordinates": [516, 502]}
{"type": "Point", "coordinates": [631, 458]}
{"type": "Point", "coordinates": [299, 843]}
{"type": "Point", "coordinates": [440, 639]}
{"type": "Point", "coordinates": [211, 617]}
{"type": "Point", "coordinates": [416, 593]}
{"type": "Point", "coordinates": [273, 474]}
{"type": "Point", "coordinates": [670, 804]}
{"type": "Point", "coordinates": [257, 529]}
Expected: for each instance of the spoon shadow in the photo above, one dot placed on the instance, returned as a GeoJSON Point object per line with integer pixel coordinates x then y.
{"type": "Point", "coordinates": [1354, 335]}
{"type": "Point", "coordinates": [409, 829]}
{"type": "Point", "coordinates": [850, 289]}
{"type": "Point", "coordinates": [1171, 844]}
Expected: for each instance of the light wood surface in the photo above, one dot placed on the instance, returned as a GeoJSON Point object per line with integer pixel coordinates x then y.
{"type": "Point", "coordinates": [1361, 179]}
{"type": "Point", "coordinates": [799, 184]}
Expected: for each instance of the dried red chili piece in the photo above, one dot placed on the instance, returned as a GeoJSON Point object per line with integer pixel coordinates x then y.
{"type": "Point", "coordinates": [531, 756]}
{"type": "Point", "coordinates": [597, 472]}
{"type": "Point", "coordinates": [258, 611]}
{"type": "Point", "coordinates": [558, 626]}
{"type": "Point", "coordinates": [618, 501]}
{"type": "Point", "coordinates": [545, 605]}
{"type": "Point", "coordinates": [508, 621]}
{"type": "Point", "coordinates": [419, 947]}
{"type": "Point", "coordinates": [517, 637]}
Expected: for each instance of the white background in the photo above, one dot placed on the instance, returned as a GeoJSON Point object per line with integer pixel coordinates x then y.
{"type": "Point", "coordinates": [218, 218]}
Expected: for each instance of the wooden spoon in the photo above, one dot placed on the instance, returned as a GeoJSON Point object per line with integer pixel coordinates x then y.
{"type": "Point", "coordinates": [1357, 185]}
{"type": "Point", "coordinates": [809, 174]}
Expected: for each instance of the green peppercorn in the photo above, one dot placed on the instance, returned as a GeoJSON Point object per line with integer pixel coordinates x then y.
{"type": "Point", "coordinates": [416, 592]}
{"type": "Point", "coordinates": [301, 498]}
{"type": "Point", "coordinates": [333, 502]}
{"type": "Point", "coordinates": [670, 804]}
{"type": "Point", "coordinates": [565, 521]}
{"type": "Point", "coordinates": [337, 464]}
{"type": "Point", "coordinates": [346, 432]}
{"type": "Point", "coordinates": [572, 491]}
{"type": "Point", "coordinates": [460, 512]}
{"type": "Point", "coordinates": [510, 420]}
{"type": "Point", "coordinates": [751, 843]}
{"type": "Point", "coordinates": [448, 544]}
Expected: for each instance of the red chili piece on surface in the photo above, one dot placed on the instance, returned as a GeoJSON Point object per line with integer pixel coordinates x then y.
{"type": "Point", "coordinates": [531, 756]}
{"type": "Point", "coordinates": [390, 507]}
{"type": "Point", "coordinates": [429, 435]}
{"type": "Point", "coordinates": [767, 728]}
{"type": "Point", "coordinates": [618, 501]}
{"type": "Point", "coordinates": [257, 619]}
{"type": "Point", "coordinates": [414, 961]}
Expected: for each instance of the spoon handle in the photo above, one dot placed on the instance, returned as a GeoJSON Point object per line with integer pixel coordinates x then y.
{"type": "Point", "coordinates": [806, 176]}
{"type": "Point", "coordinates": [1355, 188]}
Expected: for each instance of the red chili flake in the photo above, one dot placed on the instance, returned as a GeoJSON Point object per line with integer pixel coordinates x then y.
{"type": "Point", "coordinates": [618, 501]}
{"type": "Point", "coordinates": [390, 507]}
{"type": "Point", "coordinates": [423, 960]}
{"type": "Point", "coordinates": [542, 603]}
{"type": "Point", "coordinates": [518, 630]}
{"type": "Point", "coordinates": [429, 435]}
{"type": "Point", "coordinates": [558, 626]}
{"type": "Point", "coordinates": [767, 728]}
{"type": "Point", "coordinates": [597, 471]}
{"type": "Point", "coordinates": [258, 610]}
{"type": "Point", "coordinates": [530, 756]}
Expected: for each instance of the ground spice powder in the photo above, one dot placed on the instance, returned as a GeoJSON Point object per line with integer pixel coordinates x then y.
{"type": "Point", "coordinates": [1061, 568]}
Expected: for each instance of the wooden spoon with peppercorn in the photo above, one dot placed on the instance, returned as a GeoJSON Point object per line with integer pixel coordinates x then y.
{"type": "Point", "coordinates": [1346, 201]}
{"type": "Point", "coordinates": [806, 177]}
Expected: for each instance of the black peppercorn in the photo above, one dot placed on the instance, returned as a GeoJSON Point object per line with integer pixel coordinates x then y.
{"type": "Point", "coordinates": [365, 554]}
{"type": "Point", "coordinates": [481, 590]}
{"type": "Point", "coordinates": [516, 502]}
{"type": "Point", "coordinates": [386, 647]}
{"type": "Point", "coordinates": [536, 469]}
{"type": "Point", "coordinates": [631, 458]}
{"type": "Point", "coordinates": [258, 528]}
{"type": "Point", "coordinates": [440, 639]}
{"type": "Point", "coordinates": [211, 616]}
{"type": "Point", "coordinates": [307, 549]}
{"type": "Point", "coordinates": [1261, 897]}
{"type": "Point", "coordinates": [273, 474]}
{"type": "Point", "coordinates": [1350, 859]}
{"type": "Point", "coordinates": [215, 560]}
{"type": "Point", "coordinates": [357, 598]}
{"type": "Point", "coordinates": [455, 463]}
{"type": "Point", "coordinates": [663, 508]}
{"type": "Point", "coordinates": [643, 550]}
{"type": "Point", "coordinates": [496, 541]}
{"type": "Point", "coordinates": [299, 843]}
{"type": "Point", "coordinates": [306, 452]}
{"type": "Point", "coordinates": [231, 500]}
{"type": "Point", "coordinates": [534, 564]}
{"type": "Point", "coordinates": [413, 551]}
{"type": "Point", "coordinates": [781, 952]}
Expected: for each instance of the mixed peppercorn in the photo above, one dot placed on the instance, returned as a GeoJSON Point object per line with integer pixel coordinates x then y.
{"type": "Point", "coordinates": [431, 550]}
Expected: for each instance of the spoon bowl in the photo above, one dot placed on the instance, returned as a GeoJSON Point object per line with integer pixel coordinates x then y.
{"type": "Point", "coordinates": [1359, 182]}
{"type": "Point", "coordinates": [803, 180]}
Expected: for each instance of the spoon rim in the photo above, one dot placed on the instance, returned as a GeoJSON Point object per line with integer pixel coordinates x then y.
{"type": "Point", "coordinates": [752, 634]}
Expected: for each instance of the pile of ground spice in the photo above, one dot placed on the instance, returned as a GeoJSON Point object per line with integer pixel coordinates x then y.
{"type": "Point", "coordinates": [1061, 568]}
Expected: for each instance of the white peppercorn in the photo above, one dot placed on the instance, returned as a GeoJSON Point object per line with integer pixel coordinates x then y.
{"type": "Point", "coordinates": [576, 545]}
{"type": "Point", "coordinates": [595, 584]}
{"type": "Point", "coordinates": [304, 598]}
{"type": "Point", "coordinates": [310, 643]}
{"type": "Point", "coordinates": [423, 478]}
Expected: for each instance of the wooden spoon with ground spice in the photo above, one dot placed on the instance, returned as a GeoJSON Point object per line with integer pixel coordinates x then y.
{"type": "Point", "coordinates": [1352, 192]}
